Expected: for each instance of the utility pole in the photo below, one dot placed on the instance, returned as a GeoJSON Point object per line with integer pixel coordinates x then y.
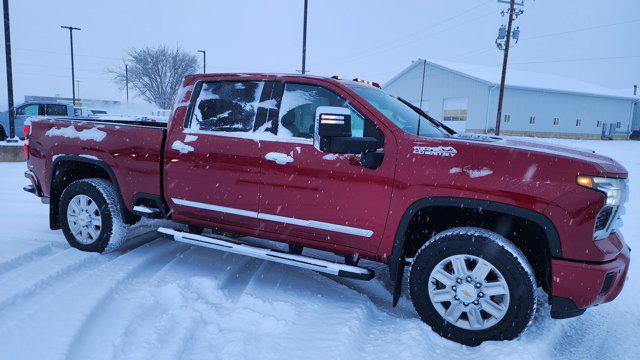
{"type": "Point", "coordinates": [126, 80]}
{"type": "Point", "coordinates": [7, 49]}
{"type": "Point", "coordinates": [204, 60]}
{"type": "Point", "coordinates": [304, 39]}
{"type": "Point", "coordinates": [506, 36]}
{"type": "Point", "coordinates": [73, 75]}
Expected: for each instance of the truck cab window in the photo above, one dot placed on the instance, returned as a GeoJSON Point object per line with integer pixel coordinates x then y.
{"type": "Point", "coordinates": [29, 110]}
{"type": "Point", "coordinates": [228, 106]}
{"type": "Point", "coordinates": [55, 110]}
{"type": "Point", "coordinates": [298, 110]}
{"type": "Point", "coordinates": [397, 112]}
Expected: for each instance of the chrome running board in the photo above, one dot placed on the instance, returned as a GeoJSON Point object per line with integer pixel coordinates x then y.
{"type": "Point", "coordinates": [305, 262]}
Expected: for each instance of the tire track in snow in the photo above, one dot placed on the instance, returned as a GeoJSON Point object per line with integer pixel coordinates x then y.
{"type": "Point", "coordinates": [237, 281]}
{"type": "Point", "coordinates": [177, 299]}
{"type": "Point", "coordinates": [65, 314]}
{"type": "Point", "coordinates": [181, 337]}
{"type": "Point", "coordinates": [12, 259]}
{"type": "Point", "coordinates": [170, 322]}
{"type": "Point", "coordinates": [58, 284]}
{"type": "Point", "coordinates": [123, 311]}
{"type": "Point", "coordinates": [325, 312]}
{"type": "Point", "coordinates": [49, 269]}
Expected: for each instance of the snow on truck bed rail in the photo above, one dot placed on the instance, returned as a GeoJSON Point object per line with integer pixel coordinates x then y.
{"type": "Point", "coordinates": [71, 132]}
{"type": "Point", "coordinates": [157, 299]}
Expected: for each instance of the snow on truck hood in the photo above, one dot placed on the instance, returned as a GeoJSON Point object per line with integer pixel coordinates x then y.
{"type": "Point", "coordinates": [608, 165]}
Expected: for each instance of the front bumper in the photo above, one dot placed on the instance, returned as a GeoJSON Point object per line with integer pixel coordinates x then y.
{"type": "Point", "coordinates": [579, 285]}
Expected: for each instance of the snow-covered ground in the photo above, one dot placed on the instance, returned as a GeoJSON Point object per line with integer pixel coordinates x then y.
{"type": "Point", "coordinates": [158, 299]}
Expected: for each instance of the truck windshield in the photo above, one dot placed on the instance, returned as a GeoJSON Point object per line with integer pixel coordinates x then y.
{"type": "Point", "coordinates": [399, 113]}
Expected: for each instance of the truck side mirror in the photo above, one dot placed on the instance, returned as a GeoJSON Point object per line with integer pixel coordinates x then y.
{"type": "Point", "coordinates": [332, 132]}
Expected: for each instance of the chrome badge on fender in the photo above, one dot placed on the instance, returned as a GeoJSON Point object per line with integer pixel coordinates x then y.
{"type": "Point", "coordinates": [446, 151]}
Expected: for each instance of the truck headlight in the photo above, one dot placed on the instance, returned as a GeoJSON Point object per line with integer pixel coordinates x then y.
{"type": "Point", "coordinates": [616, 192]}
{"type": "Point", "coordinates": [614, 189]}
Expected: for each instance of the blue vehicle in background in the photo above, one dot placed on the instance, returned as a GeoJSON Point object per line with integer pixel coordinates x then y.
{"type": "Point", "coordinates": [28, 109]}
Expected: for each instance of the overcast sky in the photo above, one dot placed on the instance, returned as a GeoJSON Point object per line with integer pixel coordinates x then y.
{"type": "Point", "coordinates": [594, 40]}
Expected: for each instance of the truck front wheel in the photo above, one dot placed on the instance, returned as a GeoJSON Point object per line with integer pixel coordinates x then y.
{"type": "Point", "coordinates": [91, 216]}
{"type": "Point", "coordinates": [472, 285]}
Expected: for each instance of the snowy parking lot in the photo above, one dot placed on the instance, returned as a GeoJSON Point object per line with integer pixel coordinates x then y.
{"type": "Point", "coordinates": [158, 299]}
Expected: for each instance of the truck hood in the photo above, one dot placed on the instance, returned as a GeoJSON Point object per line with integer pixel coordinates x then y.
{"type": "Point", "coordinates": [608, 166]}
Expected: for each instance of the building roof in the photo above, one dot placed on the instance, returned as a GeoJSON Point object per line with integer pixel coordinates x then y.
{"type": "Point", "coordinates": [522, 79]}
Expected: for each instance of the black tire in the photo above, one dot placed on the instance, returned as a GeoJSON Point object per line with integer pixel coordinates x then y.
{"type": "Point", "coordinates": [131, 218]}
{"type": "Point", "coordinates": [502, 255]}
{"type": "Point", "coordinates": [3, 134]}
{"type": "Point", "coordinates": [112, 231]}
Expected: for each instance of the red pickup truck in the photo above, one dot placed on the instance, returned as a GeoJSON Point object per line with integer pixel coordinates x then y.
{"type": "Point", "coordinates": [479, 222]}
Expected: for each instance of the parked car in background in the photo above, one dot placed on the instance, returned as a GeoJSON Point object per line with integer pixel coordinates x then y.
{"type": "Point", "coordinates": [42, 109]}
{"type": "Point", "coordinates": [26, 110]}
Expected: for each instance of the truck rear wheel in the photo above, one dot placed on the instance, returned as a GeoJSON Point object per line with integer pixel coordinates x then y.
{"type": "Point", "coordinates": [91, 216]}
{"type": "Point", "coordinates": [472, 285]}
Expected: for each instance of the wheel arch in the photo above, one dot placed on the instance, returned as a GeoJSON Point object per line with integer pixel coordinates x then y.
{"type": "Point", "coordinates": [397, 261]}
{"type": "Point", "coordinates": [62, 175]}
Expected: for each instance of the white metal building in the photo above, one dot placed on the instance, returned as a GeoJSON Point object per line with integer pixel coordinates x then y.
{"type": "Point", "coordinates": [465, 97]}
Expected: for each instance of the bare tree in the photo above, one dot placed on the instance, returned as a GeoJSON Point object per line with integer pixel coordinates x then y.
{"type": "Point", "coordinates": [156, 72]}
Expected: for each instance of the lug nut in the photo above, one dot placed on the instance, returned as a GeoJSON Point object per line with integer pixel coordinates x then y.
{"type": "Point", "coordinates": [478, 285]}
{"type": "Point", "coordinates": [480, 294]}
{"type": "Point", "coordinates": [456, 297]}
{"type": "Point", "coordinates": [465, 304]}
{"type": "Point", "coordinates": [469, 279]}
{"type": "Point", "coordinates": [459, 281]}
{"type": "Point", "coordinates": [476, 302]}
{"type": "Point", "coordinates": [454, 288]}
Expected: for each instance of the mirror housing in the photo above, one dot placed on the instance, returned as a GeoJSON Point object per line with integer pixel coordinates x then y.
{"type": "Point", "coordinates": [333, 121]}
{"type": "Point", "coordinates": [332, 132]}
{"type": "Point", "coordinates": [352, 145]}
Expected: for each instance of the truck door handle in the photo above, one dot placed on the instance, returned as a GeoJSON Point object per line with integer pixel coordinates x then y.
{"type": "Point", "coordinates": [279, 158]}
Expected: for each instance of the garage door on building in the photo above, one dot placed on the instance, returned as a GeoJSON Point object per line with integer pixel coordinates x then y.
{"type": "Point", "coordinates": [454, 113]}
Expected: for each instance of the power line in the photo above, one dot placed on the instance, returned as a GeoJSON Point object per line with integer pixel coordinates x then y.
{"type": "Point", "coordinates": [60, 76]}
{"type": "Point", "coordinates": [63, 54]}
{"type": "Point", "coordinates": [485, 49]}
{"type": "Point", "coordinates": [55, 67]}
{"type": "Point", "coordinates": [409, 42]}
{"type": "Point", "coordinates": [471, 53]}
{"type": "Point", "coordinates": [416, 32]}
{"type": "Point", "coordinates": [581, 29]}
{"type": "Point", "coordinates": [577, 60]}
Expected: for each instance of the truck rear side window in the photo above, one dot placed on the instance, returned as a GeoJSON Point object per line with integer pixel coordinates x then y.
{"type": "Point", "coordinates": [228, 106]}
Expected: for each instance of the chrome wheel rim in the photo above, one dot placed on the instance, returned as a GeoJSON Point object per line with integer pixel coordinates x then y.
{"type": "Point", "coordinates": [468, 292]}
{"type": "Point", "coordinates": [83, 217]}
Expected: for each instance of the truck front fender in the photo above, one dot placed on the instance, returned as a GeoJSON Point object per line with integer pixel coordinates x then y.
{"type": "Point", "coordinates": [397, 261]}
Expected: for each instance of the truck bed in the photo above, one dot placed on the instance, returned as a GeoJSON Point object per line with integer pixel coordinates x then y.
{"type": "Point", "coordinates": [116, 120]}
{"type": "Point", "coordinates": [129, 151]}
